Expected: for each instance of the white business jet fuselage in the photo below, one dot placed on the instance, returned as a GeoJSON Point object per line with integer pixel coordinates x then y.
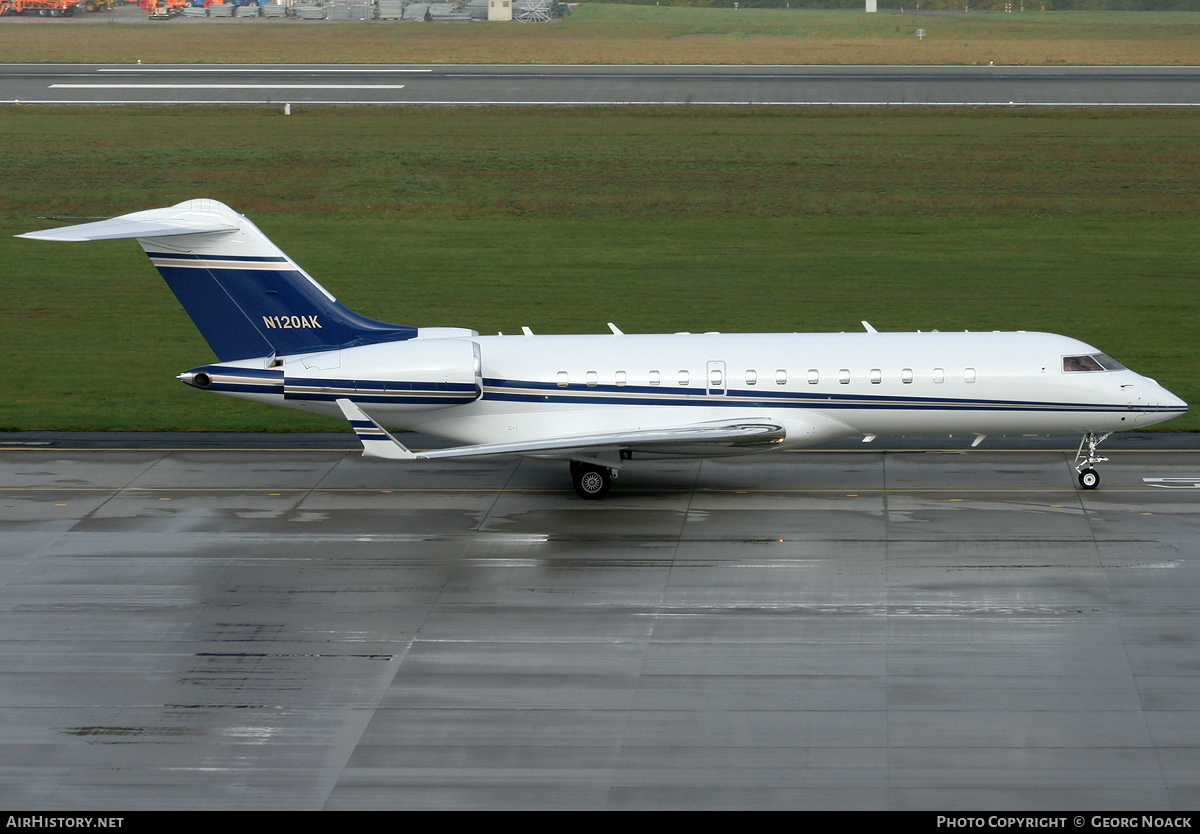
{"type": "Point", "coordinates": [602, 400]}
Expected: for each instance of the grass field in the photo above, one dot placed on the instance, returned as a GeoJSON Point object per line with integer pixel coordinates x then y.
{"type": "Point", "coordinates": [615, 34]}
{"type": "Point", "coordinates": [660, 220]}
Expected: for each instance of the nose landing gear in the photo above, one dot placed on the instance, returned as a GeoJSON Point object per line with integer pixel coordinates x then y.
{"type": "Point", "coordinates": [1089, 478]}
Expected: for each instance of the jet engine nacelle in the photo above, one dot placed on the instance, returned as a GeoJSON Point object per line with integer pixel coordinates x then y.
{"type": "Point", "coordinates": [413, 375]}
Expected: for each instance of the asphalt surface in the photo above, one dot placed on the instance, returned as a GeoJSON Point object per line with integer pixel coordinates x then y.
{"type": "Point", "coordinates": [272, 621]}
{"type": "Point", "coordinates": [567, 85]}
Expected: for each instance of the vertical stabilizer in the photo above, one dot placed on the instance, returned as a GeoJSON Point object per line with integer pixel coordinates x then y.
{"type": "Point", "coordinates": [247, 298]}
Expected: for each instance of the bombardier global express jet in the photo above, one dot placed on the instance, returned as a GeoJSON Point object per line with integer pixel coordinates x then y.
{"type": "Point", "coordinates": [601, 401]}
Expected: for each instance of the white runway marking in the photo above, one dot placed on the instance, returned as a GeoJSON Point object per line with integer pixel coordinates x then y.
{"type": "Point", "coordinates": [229, 86]}
{"type": "Point", "coordinates": [1173, 483]}
{"type": "Point", "coordinates": [243, 70]}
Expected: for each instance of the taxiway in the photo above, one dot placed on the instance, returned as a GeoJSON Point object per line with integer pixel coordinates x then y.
{"type": "Point", "coordinates": [261, 622]}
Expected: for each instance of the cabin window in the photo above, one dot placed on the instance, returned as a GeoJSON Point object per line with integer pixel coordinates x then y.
{"type": "Point", "coordinates": [752, 377]}
{"type": "Point", "coordinates": [562, 379]}
{"type": "Point", "coordinates": [844, 376]}
{"type": "Point", "coordinates": [969, 375]}
{"type": "Point", "coordinates": [876, 376]}
{"type": "Point", "coordinates": [906, 376]}
{"type": "Point", "coordinates": [655, 377]}
{"type": "Point", "coordinates": [621, 378]}
{"type": "Point", "coordinates": [939, 375]}
{"type": "Point", "coordinates": [592, 379]}
{"type": "Point", "coordinates": [714, 378]}
{"type": "Point", "coordinates": [813, 376]}
{"type": "Point", "coordinates": [781, 377]}
{"type": "Point", "coordinates": [684, 378]}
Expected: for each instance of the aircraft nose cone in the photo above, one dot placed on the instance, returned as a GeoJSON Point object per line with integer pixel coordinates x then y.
{"type": "Point", "coordinates": [1162, 398]}
{"type": "Point", "coordinates": [1159, 404]}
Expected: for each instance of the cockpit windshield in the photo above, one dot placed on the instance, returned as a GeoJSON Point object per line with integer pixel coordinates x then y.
{"type": "Point", "coordinates": [1094, 362]}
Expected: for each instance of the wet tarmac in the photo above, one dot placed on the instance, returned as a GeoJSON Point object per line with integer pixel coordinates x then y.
{"type": "Point", "coordinates": [244, 622]}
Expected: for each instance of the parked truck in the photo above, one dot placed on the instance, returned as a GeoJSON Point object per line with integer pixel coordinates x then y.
{"type": "Point", "coordinates": [54, 8]}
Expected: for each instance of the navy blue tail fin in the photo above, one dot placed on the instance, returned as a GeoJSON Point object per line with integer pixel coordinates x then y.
{"type": "Point", "coordinates": [247, 298]}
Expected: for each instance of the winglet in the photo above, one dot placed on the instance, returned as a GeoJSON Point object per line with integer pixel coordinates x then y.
{"type": "Point", "coordinates": [377, 443]}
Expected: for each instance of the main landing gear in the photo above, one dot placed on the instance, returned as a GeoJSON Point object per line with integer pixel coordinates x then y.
{"type": "Point", "coordinates": [1089, 478]}
{"type": "Point", "coordinates": [591, 481]}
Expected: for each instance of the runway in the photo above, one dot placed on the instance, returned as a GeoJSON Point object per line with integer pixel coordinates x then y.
{"type": "Point", "coordinates": [272, 622]}
{"type": "Point", "coordinates": [600, 85]}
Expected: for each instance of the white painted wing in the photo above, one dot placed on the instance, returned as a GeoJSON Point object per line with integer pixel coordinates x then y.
{"type": "Point", "coordinates": [687, 440]}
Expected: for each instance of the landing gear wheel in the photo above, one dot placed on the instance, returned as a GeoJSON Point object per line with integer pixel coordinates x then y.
{"type": "Point", "coordinates": [591, 482]}
{"type": "Point", "coordinates": [1085, 461]}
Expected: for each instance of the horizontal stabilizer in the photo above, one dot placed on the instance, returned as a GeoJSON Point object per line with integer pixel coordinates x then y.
{"type": "Point", "coordinates": [166, 222]}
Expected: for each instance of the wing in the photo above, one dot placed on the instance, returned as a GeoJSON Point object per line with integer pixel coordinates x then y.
{"type": "Point", "coordinates": [696, 439]}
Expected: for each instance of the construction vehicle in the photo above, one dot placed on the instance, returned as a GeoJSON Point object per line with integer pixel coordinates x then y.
{"type": "Point", "coordinates": [162, 8]}
{"type": "Point", "coordinates": [169, 8]}
{"type": "Point", "coordinates": [46, 8]}
{"type": "Point", "coordinates": [54, 8]}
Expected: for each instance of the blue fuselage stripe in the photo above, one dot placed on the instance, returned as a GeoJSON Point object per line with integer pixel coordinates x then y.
{"type": "Point", "coordinates": [539, 392]}
{"type": "Point", "coordinates": [518, 391]}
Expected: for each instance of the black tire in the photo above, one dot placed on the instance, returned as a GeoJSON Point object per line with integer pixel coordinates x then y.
{"type": "Point", "coordinates": [1089, 479]}
{"type": "Point", "coordinates": [591, 482]}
